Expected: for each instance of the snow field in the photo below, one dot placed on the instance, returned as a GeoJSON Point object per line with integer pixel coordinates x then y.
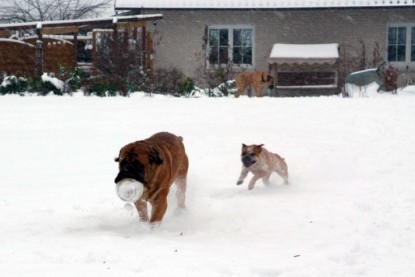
{"type": "Point", "coordinates": [349, 210]}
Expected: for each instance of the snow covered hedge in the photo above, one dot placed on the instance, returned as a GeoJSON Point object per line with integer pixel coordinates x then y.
{"type": "Point", "coordinates": [44, 85]}
{"type": "Point", "coordinates": [49, 84]}
{"type": "Point", "coordinates": [13, 84]}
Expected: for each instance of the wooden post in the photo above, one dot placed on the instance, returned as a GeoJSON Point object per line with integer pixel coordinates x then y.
{"type": "Point", "coordinates": [124, 64]}
{"type": "Point", "coordinates": [94, 53]}
{"type": "Point", "coordinates": [136, 48]}
{"type": "Point", "coordinates": [126, 53]}
{"type": "Point", "coordinates": [275, 78]}
{"type": "Point", "coordinates": [39, 50]}
{"type": "Point", "coordinates": [115, 52]}
{"type": "Point", "coordinates": [270, 73]}
{"type": "Point", "coordinates": [75, 42]}
{"type": "Point", "coordinates": [144, 47]}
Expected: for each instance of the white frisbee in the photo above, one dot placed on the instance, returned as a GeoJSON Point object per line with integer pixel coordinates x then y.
{"type": "Point", "coordinates": [129, 190]}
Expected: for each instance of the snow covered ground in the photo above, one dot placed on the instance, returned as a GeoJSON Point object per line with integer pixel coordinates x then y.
{"type": "Point", "coordinates": [349, 210]}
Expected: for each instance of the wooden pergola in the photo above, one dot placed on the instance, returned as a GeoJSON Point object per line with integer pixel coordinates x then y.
{"type": "Point", "coordinates": [73, 27]}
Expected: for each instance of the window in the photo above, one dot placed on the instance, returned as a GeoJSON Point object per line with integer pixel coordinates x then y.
{"type": "Point", "coordinates": [218, 46]}
{"type": "Point", "coordinates": [401, 43]}
{"type": "Point", "coordinates": [230, 44]}
{"type": "Point", "coordinates": [242, 46]}
{"type": "Point", "coordinates": [397, 44]}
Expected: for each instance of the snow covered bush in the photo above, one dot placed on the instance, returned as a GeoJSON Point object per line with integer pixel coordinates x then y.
{"type": "Point", "coordinates": [162, 81]}
{"type": "Point", "coordinates": [104, 87]}
{"type": "Point", "coordinates": [166, 80]}
{"type": "Point", "coordinates": [222, 90]}
{"type": "Point", "coordinates": [72, 79]}
{"type": "Point", "coordinates": [46, 84]}
{"type": "Point", "coordinates": [43, 85]}
{"type": "Point", "coordinates": [185, 87]}
{"type": "Point", "coordinates": [13, 84]}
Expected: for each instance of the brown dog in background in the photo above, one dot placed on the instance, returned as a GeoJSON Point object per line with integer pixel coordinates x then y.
{"type": "Point", "coordinates": [261, 162]}
{"type": "Point", "coordinates": [156, 162]}
{"type": "Point", "coordinates": [256, 81]}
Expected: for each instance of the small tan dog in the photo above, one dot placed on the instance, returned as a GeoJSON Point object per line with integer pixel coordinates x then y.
{"type": "Point", "coordinates": [261, 162]}
{"type": "Point", "coordinates": [256, 81]}
{"type": "Point", "coordinates": [156, 163]}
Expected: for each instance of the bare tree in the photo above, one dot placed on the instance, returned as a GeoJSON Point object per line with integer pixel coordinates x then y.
{"type": "Point", "coordinates": [49, 10]}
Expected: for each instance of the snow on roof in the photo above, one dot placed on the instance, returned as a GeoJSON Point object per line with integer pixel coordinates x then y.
{"type": "Point", "coordinates": [304, 53]}
{"type": "Point", "coordinates": [258, 4]}
{"type": "Point", "coordinates": [58, 23]}
{"type": "Point", "coordinates": [15, 41]}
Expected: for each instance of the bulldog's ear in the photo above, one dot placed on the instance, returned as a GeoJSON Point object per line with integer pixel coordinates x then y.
{"type": "Point", "coordinates": [117, 159]}
{"type": "Point", "coordinates": [154, 157]}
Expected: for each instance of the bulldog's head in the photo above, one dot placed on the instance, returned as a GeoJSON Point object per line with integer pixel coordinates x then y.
{"type": "Point", "coordinates": [136, 161]}
{"type": "Point", "coordinates": [250, 154]}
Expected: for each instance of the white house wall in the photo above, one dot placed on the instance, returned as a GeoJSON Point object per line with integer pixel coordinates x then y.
{"type": "Point", "coordinates": [180, 33]}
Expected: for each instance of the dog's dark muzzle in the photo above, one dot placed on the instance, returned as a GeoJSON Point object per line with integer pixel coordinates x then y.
{"type": "Point", "coordinates": [271, 86]}
{"type": "Point", "coordinates": [131, 172]}
{"type": "Point", "coordinates": [248, 160]}
{"type": "Point", "coordinates": [124, 174]}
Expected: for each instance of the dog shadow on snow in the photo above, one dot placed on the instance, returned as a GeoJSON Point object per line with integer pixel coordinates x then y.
{"type": "Point", "coordinates": [276, 187]}
{"type": "Point", "coordinates": [121, 220]}
{"type": "Point", "coordinates": [124, 222]}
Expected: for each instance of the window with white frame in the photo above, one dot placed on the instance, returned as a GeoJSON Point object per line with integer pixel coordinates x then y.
{"type": "Point", "coordinates": [401, 43]}
{"type": "Point", "coordinates": [231, 44]}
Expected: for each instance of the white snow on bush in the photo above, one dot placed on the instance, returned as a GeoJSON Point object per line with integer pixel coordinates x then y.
{"type": "Point", "coordinates": [7, 81]}
{"type": "Point", "coordinates": [55, 81]}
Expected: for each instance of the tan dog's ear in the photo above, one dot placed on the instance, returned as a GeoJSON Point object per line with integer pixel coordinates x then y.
{"type": "Point", "coordinates": [258, 148]}
{"type": "Point", "coordinates": [263, 80]}
{"type": "Point", "coordinates": [243, 145]}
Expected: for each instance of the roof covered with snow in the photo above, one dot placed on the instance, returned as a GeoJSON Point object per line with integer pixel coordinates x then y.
{"type": "Point", "coordinates": [79, 22]}
{"type": "Point", "coordinates": [304, 53]}
{"type": "Point", "coordinates": [257, 4]}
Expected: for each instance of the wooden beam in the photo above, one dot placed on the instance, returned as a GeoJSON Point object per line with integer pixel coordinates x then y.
{"type": "Point", "coordinates": [60, 30]}
{"type": "Point", "coordinates": [121, 26]}
{"type": "Point", "coordinates": [5, 34]}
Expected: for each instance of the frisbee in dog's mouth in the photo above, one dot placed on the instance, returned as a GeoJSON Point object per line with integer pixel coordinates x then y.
{"type": "Point", "coordinates": [129, 190]}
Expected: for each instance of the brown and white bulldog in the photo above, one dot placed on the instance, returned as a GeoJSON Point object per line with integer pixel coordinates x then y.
{"type": "Point", "coordinates": [256, 81]}
{"type": "Point", "coordinates": [261, 163]}
{"type": "Point", "coordinates": [155, 163]}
